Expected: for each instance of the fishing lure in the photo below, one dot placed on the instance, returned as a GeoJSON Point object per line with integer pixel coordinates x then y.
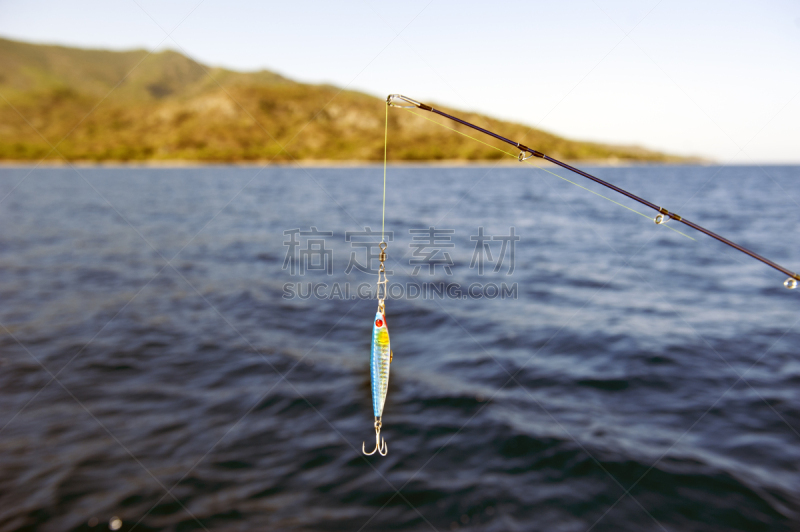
{"type": "Point", "coordinates": [380, 358]}
{"type": "Point", "coordinates": [379, 362]}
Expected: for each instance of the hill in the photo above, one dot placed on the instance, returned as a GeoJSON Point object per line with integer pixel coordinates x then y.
{"type": "Point", "coordinates": [133, 105]}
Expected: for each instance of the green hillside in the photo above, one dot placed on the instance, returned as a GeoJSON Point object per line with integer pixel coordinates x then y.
{"type": "Point", "coordinates": [125, 106]}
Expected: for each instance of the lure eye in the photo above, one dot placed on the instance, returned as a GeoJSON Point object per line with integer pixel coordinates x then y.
{"type": "Point", "coordinates": [379, 323]}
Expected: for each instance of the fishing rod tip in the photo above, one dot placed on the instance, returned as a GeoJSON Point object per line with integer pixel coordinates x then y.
{"type": "Point", "coordinates": [398, 100]}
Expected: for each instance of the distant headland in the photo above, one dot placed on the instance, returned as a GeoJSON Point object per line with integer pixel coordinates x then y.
{"type": "Point", "coordinates": [97, 105]}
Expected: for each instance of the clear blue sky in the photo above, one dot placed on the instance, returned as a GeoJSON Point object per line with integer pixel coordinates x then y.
{"type": "Point", "coordinates": [718, 79]}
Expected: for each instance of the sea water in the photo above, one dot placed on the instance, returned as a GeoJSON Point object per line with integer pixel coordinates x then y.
{"type": "Point", "coordinates": [188, 347]}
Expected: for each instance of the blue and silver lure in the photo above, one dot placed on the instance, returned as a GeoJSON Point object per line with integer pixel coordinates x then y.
{"type": "Point", "coordinates": [380, 358]}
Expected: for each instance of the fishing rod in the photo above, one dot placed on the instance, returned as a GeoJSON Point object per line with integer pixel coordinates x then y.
{"type": "Point", "coordinates": [397, 100]}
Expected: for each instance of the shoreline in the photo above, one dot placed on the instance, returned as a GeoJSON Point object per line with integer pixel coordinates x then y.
{"type": "Point", "coordinates": [452, 163]}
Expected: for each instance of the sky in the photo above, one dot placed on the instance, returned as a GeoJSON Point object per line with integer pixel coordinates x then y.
{"type": "Point", "coordinates": [716, 79]}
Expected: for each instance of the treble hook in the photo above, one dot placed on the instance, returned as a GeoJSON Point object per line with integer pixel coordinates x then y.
{"type": "Point", "coordinates": [380, 445]}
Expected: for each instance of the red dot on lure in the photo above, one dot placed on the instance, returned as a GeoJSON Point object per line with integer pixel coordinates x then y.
{"type": "Point", "coordinates": [379, 323]}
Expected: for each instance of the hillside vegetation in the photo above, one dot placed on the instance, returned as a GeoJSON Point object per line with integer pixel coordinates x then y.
{"type": "Point", "coordinates": [129, 106]}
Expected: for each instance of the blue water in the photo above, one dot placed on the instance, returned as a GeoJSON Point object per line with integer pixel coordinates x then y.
{"type": "Point", "coordinates": [153, 369]}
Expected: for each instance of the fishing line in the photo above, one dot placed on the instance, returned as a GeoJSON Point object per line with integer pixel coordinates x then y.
{"type": "Point", "coordinates": [544, 169]}
{"type": "Point", "coordinates": [385, 144]}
